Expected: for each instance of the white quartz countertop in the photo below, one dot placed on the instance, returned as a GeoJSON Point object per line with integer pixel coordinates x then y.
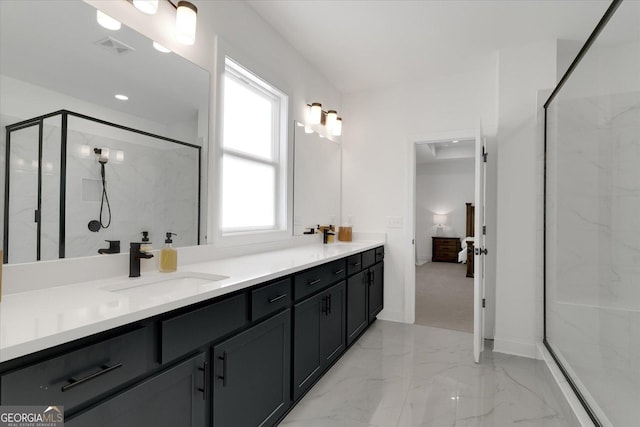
{"type": "Point", "coordinates": [39, 319]}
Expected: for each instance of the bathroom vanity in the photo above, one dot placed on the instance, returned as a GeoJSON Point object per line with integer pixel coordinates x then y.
{"type": "Point", "coordinates": [239, 352]}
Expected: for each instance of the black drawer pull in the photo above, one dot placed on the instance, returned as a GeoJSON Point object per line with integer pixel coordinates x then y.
{"type": "Point", "coordinates": [314, 282]}
{"type": "Point", "coordinates": [339, 271]}
{"type": "Point", "coordinates": [357, 264]}
{"type": "Point", "coordinates": [279, 297]}
{"type": "Point", "coordinates": [223, 377]}
{"type": "Point", "coordinates": [204, 381]}
{"type": "Point", "coordinates": [103, 370]}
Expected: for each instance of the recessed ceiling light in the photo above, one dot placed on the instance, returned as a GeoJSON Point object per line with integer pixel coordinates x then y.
{"type": "Point", "coordinates": [455, 141]}
{"type": "Point", "coordinates": [160, 48]}
{"type": "Point", "coordinates": [122, 97]}
{"type": "Point", "coordinates": [107, 22]}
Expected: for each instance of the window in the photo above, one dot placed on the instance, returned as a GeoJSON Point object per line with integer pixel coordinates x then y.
{"type": "Point", "coordinates": [253, 147]}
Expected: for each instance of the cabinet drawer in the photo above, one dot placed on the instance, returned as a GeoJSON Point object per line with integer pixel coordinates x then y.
{"type": "Point", "coordinates": [368, 258]}
{"type": "Point", "coordinates": [354, 264]}
{"type": "Point", "coordinates": [80, 375]}
{"type": "Point", "coordinates": [185, 333]}
{"type": "Point", "coordinates": [317, 278]}
{"type": "Point", "coordinates": [271, 298]}
{"type": "Point", "coordinates": [379, 254]}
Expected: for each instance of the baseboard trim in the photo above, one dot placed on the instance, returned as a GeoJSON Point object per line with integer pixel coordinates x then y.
{"type": "Point", "coordinates": [392, 316]}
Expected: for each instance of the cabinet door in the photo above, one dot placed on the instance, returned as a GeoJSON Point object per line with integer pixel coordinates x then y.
{"type": "Point", "coordinates": [357, 319]}
{"type": "Point", "coordinates": [251, 383]}
{"type": "Point", "coordinates": [307, 361]}
{"type": "Point", "coordinates": [174, 397]}
{"type": "Point", "coordinates": [332, 324]}
{"type": "Point", "coordinates": [376, 290]}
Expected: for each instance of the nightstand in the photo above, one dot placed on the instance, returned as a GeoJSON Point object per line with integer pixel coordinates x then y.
{"type": "Point", "coordinates": [445, 249]}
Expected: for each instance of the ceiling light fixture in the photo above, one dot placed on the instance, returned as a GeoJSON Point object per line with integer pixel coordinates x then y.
{"type": "Point", "coordinates": [150, 7]}
{"type": "Point", "coordinates": [161, 48]}
{"type": "Point", "coordinates": [186, 19]}
{"type": "Point", "coordinates": [122, 97]}
{"type": "Point", "coordinates": [455, 141]}
{"type": "Point", "coordinates": [329, 118]}
{"type": "Point", "coordinates": [107, 22]}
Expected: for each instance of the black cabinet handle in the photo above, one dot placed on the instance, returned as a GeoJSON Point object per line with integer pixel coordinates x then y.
{"type": "Point", "coordinates": [325, 306]}
{"type": "Point", "coordinates": [329, 304]}
{"type": "Point", "coordinates": [103, 370]}
{"type": "Point", "coordinates": [314, 282]}
{"type": "Point", "coordinates": [279, 297]}
{"type": "Point", "coordinates": [357, 264]}
{"type": "Point", "coordinates": [339, 271]}
{"type": "Point", "coordinates": [204, 381]}
{"type": "Point", "coordinates": [223, 377]}
{"type": "Point", "coordinates": [371, 278]}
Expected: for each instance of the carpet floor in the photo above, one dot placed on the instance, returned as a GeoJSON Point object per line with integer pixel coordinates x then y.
{"type": "Point", "coordinates": [444, 296]}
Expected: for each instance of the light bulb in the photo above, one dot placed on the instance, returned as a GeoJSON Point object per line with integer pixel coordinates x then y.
{"type": "Point", "coordinates": [186, 18]}
{"type": "Point", "coordinates": [107, 22]}
{"type": "Point", "coordinates": [149, 7]}
{"type": "Point", "coordinates": [315, 113]}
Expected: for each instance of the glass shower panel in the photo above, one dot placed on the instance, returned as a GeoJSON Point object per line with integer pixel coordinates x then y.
{"type": "Point", "coordinates": [593, 222]}
{"type": "Point", "coordinates": [50, 205]}
{"type": "Point", "coordinates": [23, 194]}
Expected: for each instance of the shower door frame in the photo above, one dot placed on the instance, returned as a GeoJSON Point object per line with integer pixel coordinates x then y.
{"type": "Point", "coordinates": [583, 51]}
{"type": "Point", "coordinates": [64, 115]}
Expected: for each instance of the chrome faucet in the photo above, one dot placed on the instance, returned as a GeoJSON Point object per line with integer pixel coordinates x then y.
{"type": "Point", "coordinates": [135, 255]}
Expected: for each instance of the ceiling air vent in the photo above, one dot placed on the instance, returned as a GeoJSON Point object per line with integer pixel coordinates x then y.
{"type": "Point", "coordinates": [115, 46]}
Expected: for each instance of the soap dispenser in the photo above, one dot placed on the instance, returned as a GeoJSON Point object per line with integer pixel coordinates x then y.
{"type": "Point", "coordinates": [146, 242]}
{"type": "Point", "coordinates": [168, 255]}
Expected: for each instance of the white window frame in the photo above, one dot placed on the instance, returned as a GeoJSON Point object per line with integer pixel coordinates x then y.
{"type": "Point", "coordinates": [232, 68]}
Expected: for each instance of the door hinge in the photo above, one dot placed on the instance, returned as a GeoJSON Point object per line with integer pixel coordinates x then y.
{"type": "Point", "coordinates": [480, 251]}
{"type": "Point", "coordinates": [484, 154]}
{"type": "Point", "coordinates": [36, 216]}
{"type": "Point", "coordinates": [413, 241]}
{"type": "Point", "coordinates": [484, 229]}
{"type": "Point", "coordinates": [484, 303]}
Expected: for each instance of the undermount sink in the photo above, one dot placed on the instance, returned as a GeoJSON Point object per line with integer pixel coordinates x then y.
{"type": "Point", "coordinates": [163, 284]}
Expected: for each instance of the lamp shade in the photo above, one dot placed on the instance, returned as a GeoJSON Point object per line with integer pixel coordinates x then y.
{"type": "Point", "coordinates": [186, 19]}
{"type": "Point", "coordinates": [315, 113]}
{"type": "Point", "coordinates": [337, 127]}
{"type": "Point", "coordinates": [332, 116]}
{"type": "Point", "coordinates": [439, 219]}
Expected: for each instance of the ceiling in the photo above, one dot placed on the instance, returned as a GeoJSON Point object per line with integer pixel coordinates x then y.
{"type": "Point", "coordinates": [433, 152]}
{"type": "Point", "coordinates": [362, 44]}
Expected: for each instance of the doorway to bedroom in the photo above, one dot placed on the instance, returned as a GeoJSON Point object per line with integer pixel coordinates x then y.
{"type": "Point", "coordinates": [444, 218]}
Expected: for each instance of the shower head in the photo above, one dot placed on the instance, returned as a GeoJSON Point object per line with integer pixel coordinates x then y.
{"type": "Point", "coordinates": [103, 154]}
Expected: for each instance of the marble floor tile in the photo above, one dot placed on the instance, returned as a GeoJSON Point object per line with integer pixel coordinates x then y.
{"type": "Point", "coordinates": [410, 375]}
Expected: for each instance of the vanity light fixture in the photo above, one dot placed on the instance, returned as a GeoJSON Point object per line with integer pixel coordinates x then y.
{"type": "Point", "coordinates": [186, 19]}
{"type": "Point", "coordinates": [150, 7]}
{"type": "Point", "coordinates": [122, 97]}
{"type": "Point", "coordinates": [328, 118]}
{"type": "Point", "coordinates": [160, 48]}
{"type": "Point", "coordinates": [107, 22]}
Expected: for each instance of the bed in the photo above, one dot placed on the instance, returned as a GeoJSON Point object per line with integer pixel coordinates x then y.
{"type": "Point", "coordinates": [466, 254]}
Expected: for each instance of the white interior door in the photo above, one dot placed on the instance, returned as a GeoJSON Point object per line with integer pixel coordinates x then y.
{"type": "Point", "coordinates": [479, 251]}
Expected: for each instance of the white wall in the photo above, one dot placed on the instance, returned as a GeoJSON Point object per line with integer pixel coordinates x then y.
{"type": "Point", "coordinates": [376, 170]}
{"type": "Point", "coordinates": [443, 188]}
{"type": "Point", "coordinates": [523, 71]}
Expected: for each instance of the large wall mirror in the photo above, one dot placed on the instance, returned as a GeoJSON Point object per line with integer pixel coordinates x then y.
{"type": "Point", "coordinates": [80, 166]}
{"type": "Point", "coordinates": [317, 180]}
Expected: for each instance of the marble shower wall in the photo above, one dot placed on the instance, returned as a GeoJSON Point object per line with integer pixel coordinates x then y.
{"type": "Point", "coordinates": [151, 184]}
{"type": "Point", "coordinates": [593, 230]}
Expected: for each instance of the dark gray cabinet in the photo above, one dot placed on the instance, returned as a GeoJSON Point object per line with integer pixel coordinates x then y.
{"type": "Point", "coordinates": [357, 312]}
{"type": "Point", "coordinates": [251, 377]}
{"type": "Point", "coordinates": [174, 397]}
{"type": "Point", "coordinates": [376, 290]}
{"type": "Point", "coordinates": [318, 336]}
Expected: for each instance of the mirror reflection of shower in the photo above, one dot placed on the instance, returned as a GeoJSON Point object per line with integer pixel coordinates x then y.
{"type": "Point", "coordinates": [96, 225]}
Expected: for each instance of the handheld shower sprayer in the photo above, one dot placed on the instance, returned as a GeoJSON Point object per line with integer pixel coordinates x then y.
{"type": "Point", "coordinates": [103, 158]}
